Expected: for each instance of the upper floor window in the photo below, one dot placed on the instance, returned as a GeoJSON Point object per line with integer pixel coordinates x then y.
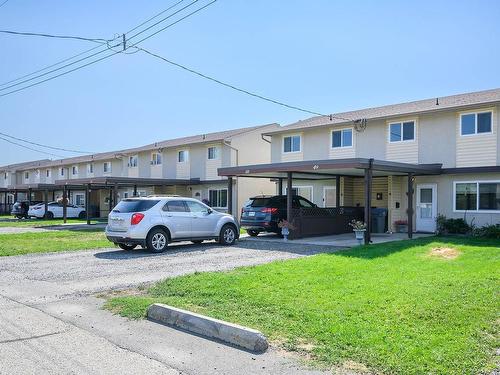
{"type": "Point", "coordinates": [291, 143]}
{"type": "Point", "coordinates": [5, 175]}
{"type": "Point", "coordinates": [61, 171]}
{"type": "Point", "coordinates": [47, 173]}
{"type": "Point", "coordinates": [74, 170]}
{"type": "Point", "coordinates": [183, 156]}
{"type": "Point", "coordinates": [475, 123]}
{"type": "Point", "coordinates": [477, 196]}
{"type": "Point", "coordinates": [342, 138]}
{"type": "Point", "coordinates": [106, 167]}
{"type": "Point", "coordinates": [155, 158]}
{"type": "Point", "coordinates": [26, 175]}
{"type": "Point", "coordinates": [132, 161]}
{"type": "Point", "coordinates": [90, 168]}
{"type": "Point", "coordinates": [402, 131]}
{"type": "Point", "coordinates": [37, 173]}
{"type": "Point", "coordinates": [213, 153]}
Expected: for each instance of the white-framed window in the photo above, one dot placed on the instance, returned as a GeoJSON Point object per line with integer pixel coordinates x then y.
{"type": "Point", "coordinates": [106, 167]}
{"type": "Point", "coordinates": [48, 173]}
{"type": "Point", "coordinates": [292, 143]}
{"type": "Point", "coordinates": [183, 156]}
{"type": "Point", "coordinates": [217, 198]}
{"type": "Point", "coordinates": [342, 138]}
{"type": "Point", "coordinates": [132, 161]}
{"type": "Point", "coordinates": [156, 158]}
{"type": "Point", "coordinates": [37, 173]}
{"type": "Point", "coordinates": [473, 123]}
{"type": "Point", "coordinates": [5, 175]}
{"type": "Point", "coordinates": [79, 199]}
{"type": "Point", "coordinates": [26, 175]}
{"type": "Point", "coordinates": [90, 168]}
{"type": "Point", "coordinates": [74, 170]}
{"type": "Point", "coordinates": [61, 171]}
{"type": "Point", "coordinates": [402, 131]}
{"type": "Point", "coordinates": [478, 196]}
{"type": "Point", "coordinates": [213, 153]}
{"type": "Point", "coordinates": [303, 191]}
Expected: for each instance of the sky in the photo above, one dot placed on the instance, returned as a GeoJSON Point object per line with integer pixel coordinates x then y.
{"type": "Point", "coordinates": [322, 55]}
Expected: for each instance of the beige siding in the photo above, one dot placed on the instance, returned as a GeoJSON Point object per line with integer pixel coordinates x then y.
{"type": "Point", "coordinates": [342, 153]}
{"type": "Point", "coordinates": [405, 151]}
{"type": "Point", "coordinates": [292, 156]}
{"type": "Point", "coordinates": [156, 171]}
{"type": "Point", "coordinates": [478, 149]}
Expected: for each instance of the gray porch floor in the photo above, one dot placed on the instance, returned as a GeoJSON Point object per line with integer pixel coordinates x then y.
{"type": "Point", "coordinates": [338, 240]}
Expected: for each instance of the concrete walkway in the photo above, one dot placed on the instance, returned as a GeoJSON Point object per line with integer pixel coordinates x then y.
{"type": "Point", "coordinates": [51, 322]}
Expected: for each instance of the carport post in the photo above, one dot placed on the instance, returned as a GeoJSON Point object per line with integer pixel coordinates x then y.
{"type": "Point", "coordinates": [280, 186]}
{"type": "Point", "coordinates": [29, 197]}
{"type": "Point", "coordinates": [230, 195]}
{"type": "Point", "coordinates": [46, 202]}
{"type": "Point", "coordinates": [289, 197]}
{"type": "Point", "coordinates": [65, 204]}
{"type": "Point", "coordinates": [110, 201]}
{"type": "Point", "coordinates": [368, 202]}
{"type": "Point", "coordinates": [6, 210]}
{"type": "Point", "coordinates": [410, 205]}
{"type": "Point", "coordinates": [87, 205]}
{"type": "Point", "coordinates": [115, 195]}
{"type": "Point", "coordinates": [337, 191]}
{"type": "Point", "coordinates": [135, 190]}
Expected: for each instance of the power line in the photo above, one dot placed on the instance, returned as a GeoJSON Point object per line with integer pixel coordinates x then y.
{"type": "Point", "coordinates": [41, 145]}
{"type": "Point", "coordinates": [30, 148]}
{"type": "Point", "coordinates": [5, 2]}
{"type": "Point", "coordinates": [95, 40]}
{"type": "Point", "coordinates": [238, 88]}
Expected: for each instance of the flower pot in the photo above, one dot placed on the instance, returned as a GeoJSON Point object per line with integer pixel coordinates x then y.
{"type": "Point", "coordinates": [285, 232]}
{"type": "Point", "coordinates": [360, 234]}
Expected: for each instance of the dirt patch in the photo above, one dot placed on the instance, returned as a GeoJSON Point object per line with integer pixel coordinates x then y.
{"type": "Point", "coordinates": [444, 252]}
{"type": "Point", "coordinates": [352, 367]}
{"type": "Point", "coordinates": [140, 291]}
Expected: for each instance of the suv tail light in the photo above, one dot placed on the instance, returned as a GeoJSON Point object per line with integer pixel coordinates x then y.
{"type": "Point", "coordinates": [269, 210]}
{"type": "Point", "coordinates": [136, 218]}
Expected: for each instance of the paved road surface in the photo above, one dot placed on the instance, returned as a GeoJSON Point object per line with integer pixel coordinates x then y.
{"type": "Point", "coordinates": [51, 322]}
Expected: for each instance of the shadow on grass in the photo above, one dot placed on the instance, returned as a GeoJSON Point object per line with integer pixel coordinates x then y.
{"type": "Point", "coordinates": [388, 248]}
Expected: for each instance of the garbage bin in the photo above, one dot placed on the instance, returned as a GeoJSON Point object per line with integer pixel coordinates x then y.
{"type": "Point", "coordinates": [378, 219]}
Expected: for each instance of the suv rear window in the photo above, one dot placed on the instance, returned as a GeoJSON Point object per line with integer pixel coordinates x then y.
{"type": "Point", "coordinates": [134, 205]}
{"type": "Point", "coordinates": [259, 202]}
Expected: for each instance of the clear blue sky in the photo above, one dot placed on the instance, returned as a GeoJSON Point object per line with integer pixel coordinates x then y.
{"type": "Point", "coordinates": [325, 55]}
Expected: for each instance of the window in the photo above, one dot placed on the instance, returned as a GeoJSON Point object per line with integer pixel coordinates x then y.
{"type": "Point", "coordinates": [61, 171]}
{"type": "Point", "coordinates": [134, 205]}
{"type": "Point", "coordinates": [37, 173]}
{"type": "Point", "coordinates": [79, 200]}
{"type": "Point", "coordinates": [125, 195]}
{"type": "Point", "coordinates": [155, 158]}
{"type": "Point", "coordinates": [213, 153]}
{"type": "Point", "coordinates": [26, 175]}
{"type": "Point", "coordinates": [303, 191]}
{"type": "Point", "coordinates": [477, 196]}
{"type": "Point", "coordinates": [291, 143]}
{"type": "Point", "coordinates": [74, 170]}
{"type": "Point", "coordinates": [342, 138]}
{"type": "Point", "coordinates": [47, 173]}
{"type": "Point", "coordinates": [106, 167]}
{"type": "Point", "coordinates": [90, 168]}
{"type": "Point", "coordinates": [132, 161]}
{"type": "Point", "coordinates": [175, 206]}
{"type": "Point", "coordinates": [402, 131]}
{"type": "Point", "coordinates": [217, 198]}
{"type": "Point", "coordinates": [475, 123]}
{"type": "Point", "coordinates": [183, 156]}
{"type": "Point", "coordinates": [5, 175]}
{"type": "Point", "coordinates": [196, 207]}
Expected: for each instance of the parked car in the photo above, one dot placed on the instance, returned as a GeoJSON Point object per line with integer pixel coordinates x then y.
{"type": "Point", "coordinates": [55, 210]}
{"type": "Point", "coordinates": [153, 222]}
{"type": "Point", "coordinates": [20, 210]}
{"type": "Point", "coordinates": [263, 213]}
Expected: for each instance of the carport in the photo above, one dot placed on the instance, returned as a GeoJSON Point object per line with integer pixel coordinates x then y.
{"type": "Point", "coordinates": [362, 168]}
{"type": "Point", "coordinates": [29, 189]}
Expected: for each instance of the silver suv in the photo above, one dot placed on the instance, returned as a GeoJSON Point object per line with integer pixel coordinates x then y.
{"type": "Point", "coordinates": [153, 222]}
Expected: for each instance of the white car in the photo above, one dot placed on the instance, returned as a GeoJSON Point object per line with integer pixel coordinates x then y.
{"type": "Point", "coordinates": [153, 222]}
{"type": "Point", "coordinates": [55, 209]}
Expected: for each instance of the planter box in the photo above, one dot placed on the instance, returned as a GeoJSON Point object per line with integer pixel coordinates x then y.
{"type": "Point", "coordinates": [402, 228]}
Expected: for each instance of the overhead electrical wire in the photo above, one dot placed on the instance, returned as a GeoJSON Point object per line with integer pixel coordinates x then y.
{"type": "Point", "coordinates": [95, 40]}
{"type": "Point", "coordinates": [5, 2]}
{"type": "Point", "coordinates": [30, 148]}
{"type": "Point", "coordinates": [45, 146]}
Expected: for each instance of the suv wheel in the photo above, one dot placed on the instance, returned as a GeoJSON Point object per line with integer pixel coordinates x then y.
{"type": "Point", "coordinates": [127, 247]}
{"type": "Point", "coordinates": [157, 241]}
{"type": "Point", "coordinates": [227, 235]}
{"type": "Point", "coordinates": [253, 233]}
{"type": "Point", "coordinates": [49, 215]}
{"type": "Point", "coordinates": [82, 215]}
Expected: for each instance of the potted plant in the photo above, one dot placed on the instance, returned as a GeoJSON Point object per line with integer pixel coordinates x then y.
{"type": "Point", "coordinates": [359, 229]}
{"type": "Point", "coordinates": [401, 226]}
{"type": "Point", "coordinates": [286, 227]}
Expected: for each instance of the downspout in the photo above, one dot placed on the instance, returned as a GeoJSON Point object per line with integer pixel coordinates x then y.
{"type": "Point", "coordinates": [225, 142]}
{"type": "Point", "coordinates": [265, 140]}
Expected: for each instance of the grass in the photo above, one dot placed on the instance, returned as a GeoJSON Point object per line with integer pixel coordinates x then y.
{"type": "Point", "coordinates": [60, 240]}
{"type": "Point", "coordinates": [9, 221]}
{"type": "Point", "coordinates": [393, 307]}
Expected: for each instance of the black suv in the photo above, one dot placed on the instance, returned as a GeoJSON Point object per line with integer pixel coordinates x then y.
{"type": "Point", "coordinates": [263, 213]}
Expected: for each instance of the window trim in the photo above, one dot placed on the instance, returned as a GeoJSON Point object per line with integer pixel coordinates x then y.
{"type": "Point", "coordinates": [342, 147]}
{"type": "Point", "coordinates": [154, 158]}
{"type": "Point", "coordinates": [389, 123]}
{"type": "Point", "coordinates": [217, 152]}
{"type": "Point", "coordinates": [135, 158]}
{"type": "Point", "coordinates": [303, 186]}
{"type": "Point", "coordinates": [74, 170]}
{"type": "Point", "coordinates": [218, 198]}
{"type": "Point", "coordinates": [290, 136]}
{"type": "Point", "coordinates": [477, 210]}
{"type": "Point", "coordinates": [48, 173]}
{"type": "Point", "coordinates": [187, 154]}
{"type": "Point", "coordinates": [26, 175]}
{"type": "Point", "coordinates": [90, 168]}
{"type": "Point", "coordinates": [110, 167]}
{"type": "Point", "coordinates": [475, 113]}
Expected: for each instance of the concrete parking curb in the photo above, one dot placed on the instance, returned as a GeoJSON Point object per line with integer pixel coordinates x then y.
{"type": "Point", "coordinates": [244, 337]}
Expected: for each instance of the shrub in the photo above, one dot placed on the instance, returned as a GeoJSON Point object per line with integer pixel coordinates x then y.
{"type": "Point", "coordinates": [488, 231]}
{"type": "Point", "coordinates": [451, 226]}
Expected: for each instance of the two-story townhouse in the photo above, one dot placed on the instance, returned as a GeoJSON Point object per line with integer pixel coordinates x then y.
{"type": "Point", "coordinates": [184, 166]}
{"type": "Point", "coordinates": [445, 149]}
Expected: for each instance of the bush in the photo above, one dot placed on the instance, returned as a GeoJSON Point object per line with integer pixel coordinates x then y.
{"type": "Point", "coordinates": [452, 226]}
{"type": "Point", "coordinates": [488, 231]}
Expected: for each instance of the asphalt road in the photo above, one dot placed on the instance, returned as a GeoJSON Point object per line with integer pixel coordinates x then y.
{"type": "Point", "coordinates": [52, 323]}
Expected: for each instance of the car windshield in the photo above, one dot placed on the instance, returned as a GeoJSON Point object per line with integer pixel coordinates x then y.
{"type": "Point", "coordinates": [134, 205]}
{"type": "Point", "coordinates": [259, 202]}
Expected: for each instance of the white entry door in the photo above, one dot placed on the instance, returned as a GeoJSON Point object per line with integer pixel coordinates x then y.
{"type": "Point", "coordinates": [329, 196]}
{"type": "Point", "coordinates": [426, 207]}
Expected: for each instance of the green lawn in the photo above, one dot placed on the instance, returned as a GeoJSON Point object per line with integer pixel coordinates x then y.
{"type": "Point", "coordinates": [9, 221]}
{"type": "Point", "coordinates": [391, 307]}
{"type": "Point", "coordinates": [57, 240]}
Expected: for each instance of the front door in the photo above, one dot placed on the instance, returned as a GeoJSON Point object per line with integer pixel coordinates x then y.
{"type": "Point", "coordinates": [329, 196]}
{"type": "Point", "coordinates": [426, 207]}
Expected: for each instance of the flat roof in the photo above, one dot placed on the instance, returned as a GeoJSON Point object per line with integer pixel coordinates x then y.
{"type": "Point", "coordinates": [329, 168]}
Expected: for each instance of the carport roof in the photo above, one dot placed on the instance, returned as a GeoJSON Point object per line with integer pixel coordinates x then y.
{"type": "Point", "coordinates": [125, 181]}
{"type": "Point", "coordinates": [325, 169]}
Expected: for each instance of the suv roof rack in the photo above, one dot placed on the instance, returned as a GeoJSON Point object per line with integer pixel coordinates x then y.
{"type": "Point", "coordinates": [162, 195]}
